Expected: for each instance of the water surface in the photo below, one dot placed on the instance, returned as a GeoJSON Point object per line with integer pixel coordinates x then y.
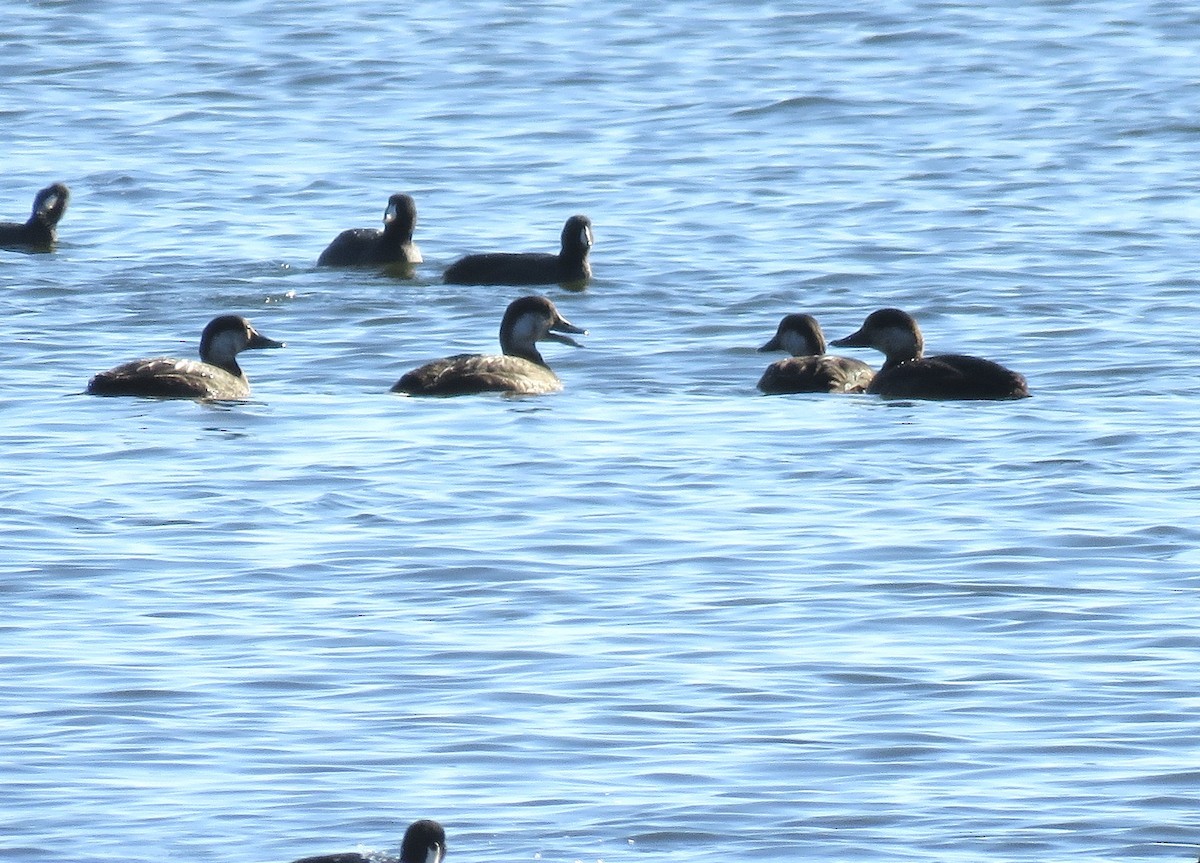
{"type": "Point", "coordinates": [657, 616]}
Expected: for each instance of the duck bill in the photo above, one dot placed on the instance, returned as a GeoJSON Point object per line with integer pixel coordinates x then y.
{"type": "Point", "coordinates": [854, 340]}
{"type": "Point", "coordinates": [555, 333]}
{"type": "Point", "coordinates": [772, 345]}
{"type": "Point", "coordinates": [390, 214]}
{"type": "Point", "coordinates": [259, 341]}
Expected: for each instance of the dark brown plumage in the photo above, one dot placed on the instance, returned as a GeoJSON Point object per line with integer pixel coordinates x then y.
{"type": "Point", "coordinates": [809, 369]}
{"type": "Point", "coordinates": [366, 247]}
{"type": "Point", "coordinates": [520, 370]}
{"type": "Point", "coordinates": [216, 376]}
{"type": "Point", "coordinates": [424, 842]}
{"type": "Point", "coordinates": [569, 267]}
{"type": "Point", "coordinates": [40, 231]}
{"type": "Point", "coordinates": [908, 373]}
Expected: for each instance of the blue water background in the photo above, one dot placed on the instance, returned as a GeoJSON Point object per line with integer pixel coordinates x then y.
{"type": "Point", "coordinates": [658, 616]}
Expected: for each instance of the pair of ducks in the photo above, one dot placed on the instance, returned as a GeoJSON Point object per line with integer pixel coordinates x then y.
{"type": "Point", "coordinates": [521, 370]}
{"type": "Point", "coordinates": [40, 231]}
{"type": "Point", "coordinates": [371, 247]}
{"type": "Point", "coordinates": [906, 371]}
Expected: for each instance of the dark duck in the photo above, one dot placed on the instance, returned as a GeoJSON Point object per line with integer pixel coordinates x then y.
{"type": "Point", "coordinates": [216, 376]}
{"type": "Point", "coordinates": [40, 231]}
{"type": "Point", "coordinates": [569, 267]}
{"type": "Point", "coordinates": [424, 842]}
{"type": "Point", "coordinates": [519, 370]}
{"type": "Point", "coordinates": [370, 247]}
{"type": "Point", "coordinates": [908, 373]}
{"type": "Point", "coordinates": [809, 369]}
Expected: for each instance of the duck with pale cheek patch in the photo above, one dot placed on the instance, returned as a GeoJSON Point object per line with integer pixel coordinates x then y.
{"type": "Point", "coordinates": [809, 369]}
{"type": "Point", "coordinates": [40, 230]}
{"type": "Point", "coordinates": [520, 370]}
{"type": "Point", "coordinates": [216, 376]}
{"type": "Point", "coordinates": [424, 842]}
{"type": "Point", "coordinates": [569, 267]}
{"type": "Point", "coordinates": [371, 247]}
{"type": "Point", "coordinates": [908, 374]}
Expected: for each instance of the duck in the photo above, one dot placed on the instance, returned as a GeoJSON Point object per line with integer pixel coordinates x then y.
{"type": "Point", "coordinates": [809, 369]}
{"type": "Point", "coordinates": [424, 842]}
{"type": "Point", "coordinates": [520, 370]}
{"type": "Point", "coordinates": [217, 375]}
{"type": "Point", "coordinates": [569, 267]}
{"type": "Point", "coordinates": [365, 247]}
{"type": "Point", "coordinates": [41, 229]}
{"type": "Point", "coordinates": [908, 373]}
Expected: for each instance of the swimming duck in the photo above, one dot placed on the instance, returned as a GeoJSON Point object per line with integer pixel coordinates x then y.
{"type": "Point", "coordinates": [520, 371]}
{"type": "Point", "coordinates": [424, 842]}
{"type": "Point", "coordinates": [570, 266]}
{"type": "Point", "coordinates": [809, 369]}
{"type": "Point", "coordinates": [40, 231]}
{"type": "Point", "coordinates": [364, 247]}
{"type": "Point", "coordinates": [216, 376]}
{"type": "Point", "coordinates": [907, 373]}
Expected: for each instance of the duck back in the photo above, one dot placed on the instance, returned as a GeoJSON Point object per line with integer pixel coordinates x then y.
{"type": "Point", "coordinates": [511, 268]}
{"type": "Point", "coordinates": [569, 267]}
{"type": "Point", "coordinates": [163, 377]}
{"type": "Point", "coordinates": [949, 376]}
{"type": "Point", "coordinates": [40, 231]}
{"type": "Point", "coordinates": [466, 374]}
{"type": "Point", "coordinates": [816, 374]}
{"type": "Point", "coordinates": [342, 857]}
{"type": "Point", "coordinates": [367, 247]}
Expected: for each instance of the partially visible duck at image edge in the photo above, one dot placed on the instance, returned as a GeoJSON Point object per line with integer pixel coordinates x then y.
{"type": "Point", "coordinates": [365, 247]}
{"type": "Point", "coordinates": [569, 267]}
{"type": "Point", "coordinates": [908, 373]}
{"type": "Point", "coordinates": [519, 371]}
{"type": "Point", "coordinates": [809, 369]}
{"type": "Point", "coordinates": [424, 842]}
{"type": "Point", "coordinates": [40, 231]}
{"type": "Point", "coordinates": [216, 376]}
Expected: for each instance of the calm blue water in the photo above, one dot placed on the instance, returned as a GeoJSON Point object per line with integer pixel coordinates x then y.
{"type": "Point", "coordinates": [657, 617]}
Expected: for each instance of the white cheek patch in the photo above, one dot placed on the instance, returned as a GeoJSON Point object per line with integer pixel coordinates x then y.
{"type": "Point", "coordinates": [526, 330]}
{"type": "Point", "coordinates": [795, 344]}
{"type": "Point", "coordinates": [434, 855]}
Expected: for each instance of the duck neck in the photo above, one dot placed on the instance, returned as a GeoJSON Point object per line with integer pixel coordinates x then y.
{"type": "Point", "coordinates": [394, 235]}
{"type": "Point", "coordinates": [526, 353]}
{"type": "Point", "coordinates": [902, 353]}
{"type": "Point", "coordinates": [230, 365]}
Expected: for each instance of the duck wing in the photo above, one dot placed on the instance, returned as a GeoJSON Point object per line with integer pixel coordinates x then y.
{"type": "Point", "coordinates": [816, 374]}
{"type": "Point", "coordinates": [163, 377]}
{"type": "Point", "coordinates": [465, 374]}
{"type": "Point", "coordinates": [950, 376]}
